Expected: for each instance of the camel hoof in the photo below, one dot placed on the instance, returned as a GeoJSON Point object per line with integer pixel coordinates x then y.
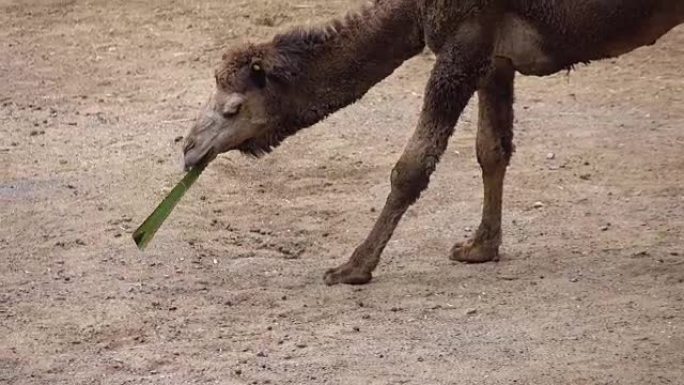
{"type": "Point", "coordinates": [346, 273]}
{"type": "Point", "coordinates": [469, 252]}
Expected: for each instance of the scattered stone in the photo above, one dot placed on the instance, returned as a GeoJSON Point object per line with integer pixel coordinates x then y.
{"type": "Point", "coordinates": [538, 205]}
{"type": "Point", "coordinates": [300, 345]}
{"type": "Point", "coordinates": [550, 156]}
{"type": "Point", "coordinates": [261, 354]}
{"type": "Point", "coordinates": [356, 329]}
{"type": "Point", "coordinates": [471, 311]}
{"type": "Point", "coordinates": [585, 176]}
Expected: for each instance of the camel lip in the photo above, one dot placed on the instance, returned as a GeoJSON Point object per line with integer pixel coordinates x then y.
{"type": "Point", "coordinates": [193, 158]}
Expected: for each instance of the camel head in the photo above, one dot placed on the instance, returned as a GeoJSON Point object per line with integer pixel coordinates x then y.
{"type": "Point", "coordinates": [243, 112]}
{"type": "Point", "coordinates": [269, 91]}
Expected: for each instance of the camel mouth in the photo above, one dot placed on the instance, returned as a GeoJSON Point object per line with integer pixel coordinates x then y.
{"type": "Point", "coordinates": [193, 158]}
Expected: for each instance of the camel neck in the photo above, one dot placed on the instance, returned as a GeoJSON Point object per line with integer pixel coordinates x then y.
{"type": "Point", "coordinates": [337, 64]}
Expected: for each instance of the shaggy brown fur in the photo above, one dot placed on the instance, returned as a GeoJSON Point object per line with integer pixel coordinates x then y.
{"type": "Point", "coordinates": [269, 91]}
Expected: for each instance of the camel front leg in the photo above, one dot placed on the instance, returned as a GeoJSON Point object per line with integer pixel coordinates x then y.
{"type": "Point", "coordinates": [494, 149]}
{"type": "Point", "coordinates": [409, 178]}
{"type": "Point", "coordinates": [454, 79]}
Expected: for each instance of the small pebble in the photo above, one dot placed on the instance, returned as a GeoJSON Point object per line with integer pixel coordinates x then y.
{"type": "Point", "coordinates": [550, 156]}
{"type": "Point", "coordinates": [471, 311]}
{"type": "Point", "coordinates": [538, 205]}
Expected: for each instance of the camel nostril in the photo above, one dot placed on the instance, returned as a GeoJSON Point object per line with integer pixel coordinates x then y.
{"type": "Point", "coordinates": [189, 145]}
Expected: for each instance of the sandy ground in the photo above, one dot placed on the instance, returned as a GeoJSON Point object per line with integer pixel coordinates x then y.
{"type": "Point", "coordinates": [93, 94]}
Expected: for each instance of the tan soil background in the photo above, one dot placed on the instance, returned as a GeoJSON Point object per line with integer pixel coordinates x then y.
{"type": "Point", "coordinates": [590, 289]}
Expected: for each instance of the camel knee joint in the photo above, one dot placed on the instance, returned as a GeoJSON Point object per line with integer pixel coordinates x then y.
{"type": "Point", "coordinates": [410, 177]}
{"type": "Point", "coordinates": [493, 157]}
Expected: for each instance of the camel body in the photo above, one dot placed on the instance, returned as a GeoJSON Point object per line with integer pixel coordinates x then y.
{"type": "Point", "coordinates": [269, 91]}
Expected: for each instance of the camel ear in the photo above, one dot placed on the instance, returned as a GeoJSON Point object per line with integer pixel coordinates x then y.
{"type": "Point", "coordinates": [257, 73]}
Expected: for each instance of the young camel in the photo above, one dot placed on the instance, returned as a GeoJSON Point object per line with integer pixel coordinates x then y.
{"type": "Point", "coordinates": [269, 91]}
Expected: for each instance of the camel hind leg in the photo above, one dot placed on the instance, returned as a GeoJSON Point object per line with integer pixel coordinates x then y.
{"type": "Point", "coordinates": [494, 149]}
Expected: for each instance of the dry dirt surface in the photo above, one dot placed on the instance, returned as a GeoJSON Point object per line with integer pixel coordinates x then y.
{"type": "Point", "coordinates": [94, 93]}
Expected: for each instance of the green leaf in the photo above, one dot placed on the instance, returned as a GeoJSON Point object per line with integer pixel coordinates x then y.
{"type": "Point", "coordinates": [144, 234]}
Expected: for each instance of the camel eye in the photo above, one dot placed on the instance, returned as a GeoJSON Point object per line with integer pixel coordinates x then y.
{"type": "Point", "coordinates": [232, 111]}
{"type": "Point", "coordinates": [232, 105]}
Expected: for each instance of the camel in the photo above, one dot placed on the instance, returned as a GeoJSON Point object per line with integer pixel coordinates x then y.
{"type": "Point", "coordinates": [268, 91]}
